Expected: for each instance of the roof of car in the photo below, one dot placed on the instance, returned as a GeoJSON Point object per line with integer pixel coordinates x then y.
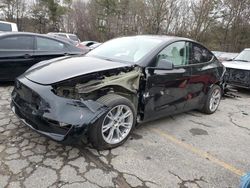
{"type": "Point", "coordinates": [7, 22]}
{"type": "Point", "coordinates": [162, 37]}
{"type": "Point", "coordinates": [61, 33]}
{"type": "Point", "coordinates": [19, 33]}
{"type": "Point", "coordinates": [32, 34]}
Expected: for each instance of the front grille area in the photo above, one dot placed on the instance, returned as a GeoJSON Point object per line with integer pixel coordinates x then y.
{"type": "Point", "coordinates": [26, 97]}
{"type": "Point", "coordinates": [237, 77]}
{"type": "Point", "coordinates": [29, 106]}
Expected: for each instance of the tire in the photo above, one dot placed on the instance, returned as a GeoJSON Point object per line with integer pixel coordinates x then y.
{"type": "Point", "coordinates": [118, 105]}
{"type": "Point", "coordinates": [214, 91]}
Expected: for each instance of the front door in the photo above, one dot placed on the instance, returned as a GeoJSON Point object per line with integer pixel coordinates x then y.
{"type": "Point", "coordinates": [168, 90]}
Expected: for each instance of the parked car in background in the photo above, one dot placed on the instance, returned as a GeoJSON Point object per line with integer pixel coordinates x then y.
{"type": "Point", "coordinates": [126, 80]}
{"type": "Point", "coordinates": [70, 36]}
{"type": "Point", "coordinates": [238, 70]}
{"type": "Point", "coordinates": [224, 56]}
{"type": "Point", "coordinates": [8, 26]}
{"type": "Point", "coordinates": [63, 38]}
{"type": "Point", "coordinates": [20, 50]}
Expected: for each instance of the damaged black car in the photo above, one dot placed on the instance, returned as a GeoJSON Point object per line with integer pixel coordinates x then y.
{"type": "Point", "coordinates": [125, 81]}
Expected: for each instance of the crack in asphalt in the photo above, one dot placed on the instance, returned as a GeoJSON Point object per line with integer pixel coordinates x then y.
{"type": "Point", "coordinates": [183, 182]}
{"type": "Point", "coordinates": [119, 180]}
{"type": "Point", "coordinates": [234, 123]}
{"type": "Point", "coordinates": [199, 123]}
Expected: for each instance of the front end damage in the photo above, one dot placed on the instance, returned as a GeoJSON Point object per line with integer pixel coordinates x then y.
{"type": "Point", "coordinates": [64, 111]}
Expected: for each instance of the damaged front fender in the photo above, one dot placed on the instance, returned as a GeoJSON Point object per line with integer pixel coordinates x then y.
{"type": "Point", "coordinates": [127, 80]}
{"type": "Point", "coordinates": [124, 81]}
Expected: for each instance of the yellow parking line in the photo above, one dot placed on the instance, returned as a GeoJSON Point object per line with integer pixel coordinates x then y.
{"type": "Point", "coordinates": [198, 152]}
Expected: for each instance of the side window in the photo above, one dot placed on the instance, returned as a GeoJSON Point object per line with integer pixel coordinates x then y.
{"type": "Point", "coordinates": [48, 44]}
{"type": "Point", "coordinates": [200, 54]}
{"type": "Point", "coordinates": [176, 53]}
{"type": "Point", "coordinates": [17, 43]}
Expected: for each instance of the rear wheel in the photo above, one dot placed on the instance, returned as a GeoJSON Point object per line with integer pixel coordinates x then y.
{"type": "Point", "coordinates": [213, 100]}
{"type": "Point", "coordinates": [115, 126]}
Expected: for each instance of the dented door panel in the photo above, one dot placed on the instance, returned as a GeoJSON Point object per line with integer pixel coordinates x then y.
{"type": "Point", "coordinates": [204, 75]}
{"type": "Point", "coordinates": [166, 92]}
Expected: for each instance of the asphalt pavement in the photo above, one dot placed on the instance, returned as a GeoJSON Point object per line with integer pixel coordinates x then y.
{"type": "Point", "coordinates": [187, 150]}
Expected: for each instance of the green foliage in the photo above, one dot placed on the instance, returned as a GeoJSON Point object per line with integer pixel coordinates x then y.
{"type": "Point", "coordinates": [53, 11]}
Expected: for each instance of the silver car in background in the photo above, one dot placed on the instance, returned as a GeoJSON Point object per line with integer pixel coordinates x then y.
{"type": "Point", "coordinates": [238, 70]}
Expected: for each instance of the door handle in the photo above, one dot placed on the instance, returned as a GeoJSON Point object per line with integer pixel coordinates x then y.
{"type": "Point", "coordinates": [26, 56]}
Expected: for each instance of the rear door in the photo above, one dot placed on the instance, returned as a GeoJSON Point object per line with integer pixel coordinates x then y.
{"type": "Point", "coordinates": [16, 55]}
{"type": "Point", "coordinates": [204, 74]}
{"type": "Point", "coordinates": [168, 90]}
{"type": "Point", "coordinates": [46, 48]}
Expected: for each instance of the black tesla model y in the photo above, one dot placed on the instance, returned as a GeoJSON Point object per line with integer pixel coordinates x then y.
{"type": "Point", "coordinates": [125, 81]}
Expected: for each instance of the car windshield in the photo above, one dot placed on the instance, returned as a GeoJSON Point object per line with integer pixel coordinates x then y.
{"type": "Point", "coordinates": [126, 49]}
{"type": "Point", "coordinates": [243, 56]}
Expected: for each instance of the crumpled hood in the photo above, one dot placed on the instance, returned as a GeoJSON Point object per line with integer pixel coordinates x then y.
{"type": "Point", "coordinates": [237, 65]}
{"type": "Point", "coordinates": [56, 70]}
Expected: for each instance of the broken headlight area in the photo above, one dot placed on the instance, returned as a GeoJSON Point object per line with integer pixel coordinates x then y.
{"type": "Point", "coordinates": [93, 86]}
{"type": "Point", "coordinates": [30, 100]}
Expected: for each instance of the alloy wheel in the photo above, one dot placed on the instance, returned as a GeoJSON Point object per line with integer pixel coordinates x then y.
{"type": "Point", "coordinates": [215, 100]}
{"type": "Point", "coordinates": [117, 124]}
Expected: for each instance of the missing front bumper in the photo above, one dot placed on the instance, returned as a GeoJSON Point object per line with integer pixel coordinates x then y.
{"type": "Point", "coordinates": [45, 112]}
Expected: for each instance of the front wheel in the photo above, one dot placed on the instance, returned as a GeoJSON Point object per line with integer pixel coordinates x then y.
{"type": "Point", "coordinates": [213, 100]}
{"type": "Point", "coordinates": [115, 126]}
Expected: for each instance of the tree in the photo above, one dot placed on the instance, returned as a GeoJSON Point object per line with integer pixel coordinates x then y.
{"type": "Point", "coordinates": [14, 11]}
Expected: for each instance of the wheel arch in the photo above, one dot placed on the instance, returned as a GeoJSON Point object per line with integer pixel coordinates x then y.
{"type": "Point", "coordinates": [123, 91]}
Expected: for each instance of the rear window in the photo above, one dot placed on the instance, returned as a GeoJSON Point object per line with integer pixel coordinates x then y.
{"type": "Point", "coordinates": [49, 44]}
{"type": "Point", "coordinates": [17, 43]}
{"type": "Point", "coordinates": [73, 37]}
{"type": "Point", "coordinates": [5, 27]}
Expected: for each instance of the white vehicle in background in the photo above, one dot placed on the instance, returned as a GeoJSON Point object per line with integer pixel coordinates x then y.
{"type": "Point", "coordinates": [8, 26]}
{"type": "Point", "coordinates": [72, 38]}
{"type": "Point", "coordinates": [238, 70]}
{"type": "Point", "coordinates": [225, 56]}
{"type": "Point", "coordinates": [69, 36]}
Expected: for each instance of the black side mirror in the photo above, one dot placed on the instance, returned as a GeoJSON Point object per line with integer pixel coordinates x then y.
{"type": "Point", "coordinates": [165, 64]}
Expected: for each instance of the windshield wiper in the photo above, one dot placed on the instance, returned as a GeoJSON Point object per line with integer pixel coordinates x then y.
{"type": "Point", "coordinates": [240, 60]}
